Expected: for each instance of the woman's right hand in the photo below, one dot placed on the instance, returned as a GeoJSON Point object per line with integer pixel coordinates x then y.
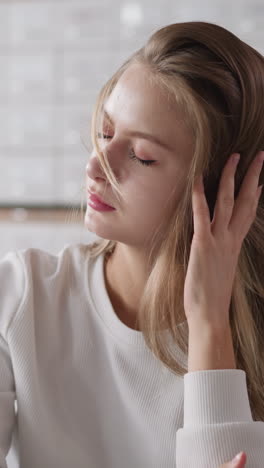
{"type": "Point", "coordinates": [239, 463]}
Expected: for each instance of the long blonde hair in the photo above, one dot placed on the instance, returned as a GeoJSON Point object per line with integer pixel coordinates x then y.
{"type": "Point", "coordinates": [217, 81]}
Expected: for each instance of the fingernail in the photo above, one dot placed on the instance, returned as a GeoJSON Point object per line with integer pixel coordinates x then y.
{"type": "Point", "coordinates": [236, 158]}
{"type": "Point", "coordinates": [237, 459]}
{"type": "Point", "coordinates": [261, 157]}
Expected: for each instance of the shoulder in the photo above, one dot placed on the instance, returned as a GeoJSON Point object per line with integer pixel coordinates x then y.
{"type": "Point", "coordinates": [32, 274]}
{"type": "Point", "coordinates": [12, 288]}
{"type": "Point", "coordinates": [45, 263]}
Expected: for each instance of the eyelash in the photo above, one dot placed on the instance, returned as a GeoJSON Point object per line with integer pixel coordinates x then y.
{"type": "Point", "coordinates": [131, 155]}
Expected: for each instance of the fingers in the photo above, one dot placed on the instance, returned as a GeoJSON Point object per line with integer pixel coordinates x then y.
{"type": "Point", "coordinates": [225, 197]}
{"type": "Point", "coordinates": [248, 197]}
{"type": "Point", "coordinates": [238, 462]}
{"type": "Point", "coordinates": [237, 215]}
{"type": "Point", "coordinates": [224, 203]}
{"type": "Point", "coordinates": [201, 213]}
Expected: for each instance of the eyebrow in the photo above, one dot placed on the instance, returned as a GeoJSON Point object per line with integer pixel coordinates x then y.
{"type": "Point", "coordinates": [145, 136]}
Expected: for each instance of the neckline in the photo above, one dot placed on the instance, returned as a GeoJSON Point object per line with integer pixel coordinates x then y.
{"type": "Point", "coordinates": [104, 309]}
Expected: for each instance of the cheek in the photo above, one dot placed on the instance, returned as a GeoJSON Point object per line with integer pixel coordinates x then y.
{"type": "Point", "coordinates": [143, 198]}
{"type": "Point", "coordinates": [153, 204]}
{"type": "Point", "coordinates": [149, 193]}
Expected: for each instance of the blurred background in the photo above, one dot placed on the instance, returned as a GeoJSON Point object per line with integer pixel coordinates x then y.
{"type": "Point", "coordinates": [54, 58]}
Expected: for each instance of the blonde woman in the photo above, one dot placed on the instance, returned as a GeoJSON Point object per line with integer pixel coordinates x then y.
{"type": "Point", "coordinates": [145, 349]}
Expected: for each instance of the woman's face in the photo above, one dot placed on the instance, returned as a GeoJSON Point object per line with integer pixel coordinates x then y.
{"type": "Point", "coordinates": [136, 107]}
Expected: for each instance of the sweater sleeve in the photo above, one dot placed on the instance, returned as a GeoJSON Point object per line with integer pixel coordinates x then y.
{"type": "Point", "coordinates": [11, 292]}
{"type": "Point", "coordinates": [218, 422]}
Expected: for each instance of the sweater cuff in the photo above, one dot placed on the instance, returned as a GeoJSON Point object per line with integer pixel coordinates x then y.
{"type": "Point", "coordinates": [216, 397]}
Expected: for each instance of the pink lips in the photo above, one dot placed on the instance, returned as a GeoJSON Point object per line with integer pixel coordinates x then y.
{"type": "Point", "coordinates": [96, 203]}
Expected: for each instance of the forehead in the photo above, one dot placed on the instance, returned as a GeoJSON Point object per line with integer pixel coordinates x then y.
{"type": "Point", "coordinates": [137, 93]}
{"type": "Point", "coordinates": [138, 103]}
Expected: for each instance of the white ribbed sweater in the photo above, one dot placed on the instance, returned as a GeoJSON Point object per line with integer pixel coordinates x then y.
{"type": "Point", "coordinates": [89, 393]}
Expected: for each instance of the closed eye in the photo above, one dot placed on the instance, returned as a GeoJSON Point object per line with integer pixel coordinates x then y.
{"type": "Point", "coordinates": [131, 155]}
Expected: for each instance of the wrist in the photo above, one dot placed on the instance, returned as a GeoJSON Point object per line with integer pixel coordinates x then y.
{"type": "Point", "coordinates": [210, 349]}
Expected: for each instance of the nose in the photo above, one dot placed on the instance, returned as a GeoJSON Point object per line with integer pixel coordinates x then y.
{"type": "Point", "coordinates": [113, 152]}
{"type": "Point", "coordinates": [94, 170]}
